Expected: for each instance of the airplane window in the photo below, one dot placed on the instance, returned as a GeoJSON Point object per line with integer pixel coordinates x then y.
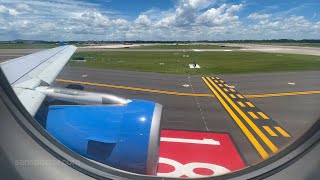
{"type": "Point", "coordinates": [181, 89]}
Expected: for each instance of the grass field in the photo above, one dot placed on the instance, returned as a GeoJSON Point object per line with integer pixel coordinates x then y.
{"type": "Point", "coordinates": [193, 46]}
{"type": "Point", "coordinates": [211, 62]}
{"type": "Point", "coordinates": [27, 46]}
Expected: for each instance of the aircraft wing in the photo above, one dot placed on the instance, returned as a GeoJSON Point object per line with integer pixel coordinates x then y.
{"type": "Point", "coordinates": [28, 72]}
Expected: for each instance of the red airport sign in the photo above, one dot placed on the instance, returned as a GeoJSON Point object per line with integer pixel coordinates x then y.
{"type": "Point", "coordinates": [197, 154]}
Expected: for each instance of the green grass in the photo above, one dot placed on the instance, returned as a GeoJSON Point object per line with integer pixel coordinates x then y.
{"type": "Point", "coordinates": [193, 46]}
{"type": "Point", "coordinates": [27, 46]}
{"type": "Point", "coordinates": [211, 62]}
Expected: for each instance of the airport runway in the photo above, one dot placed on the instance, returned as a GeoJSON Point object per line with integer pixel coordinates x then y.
{"type": "Point", "coordinates": [192, 103]}
{"type": "Point", "coordinates": [270, 49]}
{"type": "Point", "coordinates": [186, 112]}
{"type": "Point", "coordinates": [13, 53]}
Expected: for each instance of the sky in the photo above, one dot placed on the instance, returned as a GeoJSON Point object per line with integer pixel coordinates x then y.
{"type": "Point", "coordinates": [64, 20]}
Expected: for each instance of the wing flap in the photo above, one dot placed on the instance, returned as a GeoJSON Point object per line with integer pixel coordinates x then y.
{"type": "Point", "coordinates": [30, 99]}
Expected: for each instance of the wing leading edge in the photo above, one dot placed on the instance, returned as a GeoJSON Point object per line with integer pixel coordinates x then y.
{"type": "Point", "coordinates": [28, 72]}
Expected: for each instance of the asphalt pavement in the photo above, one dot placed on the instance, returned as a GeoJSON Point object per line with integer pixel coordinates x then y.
{"type": "Point", "coordinates": [207, 113]}
{"type": "Point", "coordinates": [189, 103]}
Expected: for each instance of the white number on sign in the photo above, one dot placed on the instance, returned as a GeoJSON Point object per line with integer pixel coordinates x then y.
{"type": "Point", "coordinates": [188, 169]}
{"type": "Point", "coordinates": [192, 141]}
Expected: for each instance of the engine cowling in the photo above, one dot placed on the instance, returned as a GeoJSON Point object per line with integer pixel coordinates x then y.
{"type": "Point", "coordinates": [126, 136]}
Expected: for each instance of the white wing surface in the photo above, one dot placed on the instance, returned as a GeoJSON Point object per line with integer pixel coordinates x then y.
{"type": "Point", "coordinates": [28, 72]}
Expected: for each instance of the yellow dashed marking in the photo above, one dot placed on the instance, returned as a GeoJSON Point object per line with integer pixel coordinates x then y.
{"type": "Point", "coordinates": [217, 78]}
{"type": "Point", "coordinates": [216, 81]}
{"type": "Point", "coordinates": [263, 153]}
{"type": "Point", "coordinates": [233, 96]}
{"type": "Point", "coordinates": [241, 104]}
{"type": "Point", "coordinates": [220, 85]}
{"type": "Point", "coordinates": [250, 104]}
{"type": "Point", "coordinates": [232, 90]}
{"type": "Point", "coordinates": [282, 132]}
{"type": "Point", "coordinates": [225, 89]}
{"type": "Point", "coordinates": [226, 85]}
{"type": "Point", "coordinates": [240, 96]}
{"type": "Point", "coordinates": [269, 130]}
{"type": "Point", "coordinates": [254, 116]}
{"type": "Point", "coordinates": [221, 81]}
{"type": "Point", "coordinates": [263, 115]}
{"type": "Point", "coordinates": [255, 128]}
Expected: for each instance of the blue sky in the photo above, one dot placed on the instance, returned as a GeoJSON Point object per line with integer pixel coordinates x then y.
{"type": "Point", "coordinates": [133, 10]}
{"type": "Point", "coordinates": [159, 19]}
{"type": "Point", "coordinates": [285, 7]}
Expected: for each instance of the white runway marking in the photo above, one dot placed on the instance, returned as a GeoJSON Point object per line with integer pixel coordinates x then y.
{"type": "Point", "coordinates": [192, 141]}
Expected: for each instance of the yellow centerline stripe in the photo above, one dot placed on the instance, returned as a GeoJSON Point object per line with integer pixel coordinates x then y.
{"type": "Point", "coordinates": [281, 131]}
{"type": "Point", "coordinates": [135, 89]}
{"type": "Point", "coordinates": [245, 130]}
{"type": "Point", "coordinates": [269, 130]}
{"type": "Point", "coordinates": [248, 120]}
{"type": "Point", "coordinates": [282, 94]}
{"type": "Point", "coordinates": [185, 94]}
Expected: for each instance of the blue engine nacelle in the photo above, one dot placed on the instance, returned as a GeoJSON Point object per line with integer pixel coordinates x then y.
{"type": "Point", "coordinates": [125, 137]}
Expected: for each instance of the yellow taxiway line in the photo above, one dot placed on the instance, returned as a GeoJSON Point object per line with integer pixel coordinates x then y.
{"type": "Point", "coordinates": [186, 94]}
{"type": "Point", "coordinates": [134, 88]}
{"type": "Point", "coordinates": [235, 117]}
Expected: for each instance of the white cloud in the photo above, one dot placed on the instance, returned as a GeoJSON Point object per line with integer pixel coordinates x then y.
{"type": "Point", "coordinates": [234, 9]}
{"type": "Point", "coordinates": [184, 14]}
{"type": "Point", "coordinates": [221, 16]}
{"type": "Point", "coordinates": [7, 11]}
{"type": "Point", "coordinates": [196, 4]}
{"type": "Point", "coordinates": [296, 27]}
{"type": "Point", "coordinates": [55, 20]}
{"type": "Point", "coordinates": [142, 21]}
{"type": "Point", "coordinates": [189, 13]}
{"type": "Point", "coordinates": [186, 20]}
{"type": "Point", "coordinates": [259, 16]}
